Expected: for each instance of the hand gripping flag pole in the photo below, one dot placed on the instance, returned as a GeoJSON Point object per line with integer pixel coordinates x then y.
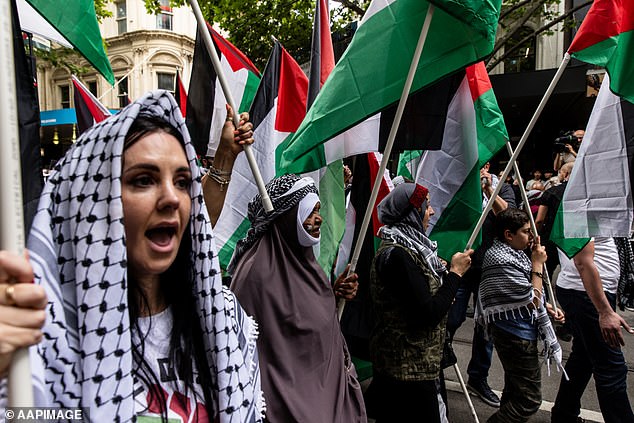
{"type": "Point", "coordinates": [266, 200]}
{"type": "Point", "coordinates": [20, 390]}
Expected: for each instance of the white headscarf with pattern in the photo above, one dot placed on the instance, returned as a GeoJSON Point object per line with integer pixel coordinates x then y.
{"type": "Point", "coordinates": [78, 251]}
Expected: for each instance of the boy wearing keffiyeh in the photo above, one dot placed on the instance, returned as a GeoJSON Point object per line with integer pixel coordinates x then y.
{"type": "Point", "coordinates": [511, 305]}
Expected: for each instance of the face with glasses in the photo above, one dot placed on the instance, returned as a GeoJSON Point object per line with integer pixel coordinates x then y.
{"type": "Point", "coordinates": [520, 239]}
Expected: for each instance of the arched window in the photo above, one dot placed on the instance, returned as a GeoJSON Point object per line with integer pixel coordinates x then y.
{"type": "Point", "coordinates": [522, 58]}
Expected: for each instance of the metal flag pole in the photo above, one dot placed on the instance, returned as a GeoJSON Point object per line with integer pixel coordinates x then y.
{"type": "Point", "coordinates": [257, 176]}
{"type": "Point", "coordinates": [520, 145]}
{"type": "Point", "coordinates": [20, 390]}
{"type": "Point", "coordinates": [546, 278]}
{"type": "Point", "coordinates": [388, 147]}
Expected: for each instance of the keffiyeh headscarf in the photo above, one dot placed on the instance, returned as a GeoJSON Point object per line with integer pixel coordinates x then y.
{"type": "Point", "coordinates": [398, 211]}
{"type": "Point", "coordinates": [78, 251]}
{"type": "Point", "coordinates": [506, 292]}
{"type": "Point", "coordinates": [285, 192]}
{"type": "Point", "coordinates": [625, 288]}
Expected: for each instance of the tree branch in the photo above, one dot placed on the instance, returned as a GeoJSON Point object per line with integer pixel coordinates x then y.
{"type": "Point", "coordinates": [352, 6]}
{"type": "Point", "coordinates": [512, 9]}
{"type": "Point", "coordinates": [495, 61]}
{"type": "Point", "coordinates": [517, 25]}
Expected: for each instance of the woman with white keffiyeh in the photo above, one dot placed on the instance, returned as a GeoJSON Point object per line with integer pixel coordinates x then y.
{"type": "Point", "coordinates": [511, 305]}
{"type": "Point", "coordinates": [137, 322]}
{"type": "Point", "coordinates": [412, 291]}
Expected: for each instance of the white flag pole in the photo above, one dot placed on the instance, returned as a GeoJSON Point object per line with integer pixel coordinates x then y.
{"type": "Point", "coordinates": [516, 169]}
{"type": "Point", "coordinates": [388, 147]}
{"type": "Point", "coordinates": [520, 145]}
{"type": "Point", "coordinates": [257, 176]}
{"type": "Point", "coordinates": [20, 389]}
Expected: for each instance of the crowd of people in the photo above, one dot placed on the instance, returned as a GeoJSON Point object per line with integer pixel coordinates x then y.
{"type": "Point", "coordinates": [128, 315]}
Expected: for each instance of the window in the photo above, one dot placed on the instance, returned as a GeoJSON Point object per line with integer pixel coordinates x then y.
{"type": "Point", "coordinates": [64, 95]}
{"type": "Point", "coordinates": [123, 96]}
{"type": "Point", "coordinates": [166, 81]}
{"type": "Point", "coordinates": [122, 22]}
{"type": "Point", "coordinates": [92, 87]}
{"type": "Point", "coordinates": [164, 18]}
{"type": "Point", "coordinates": [522, 58]}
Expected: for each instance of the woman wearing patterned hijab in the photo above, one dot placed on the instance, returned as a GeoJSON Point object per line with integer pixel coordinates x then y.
{"type": "Point", "coordinates": [307, 375]}
{"type": "Point", "coordinates": [411, 292]}
{"type": "Point", "coordinates": [137, 321]}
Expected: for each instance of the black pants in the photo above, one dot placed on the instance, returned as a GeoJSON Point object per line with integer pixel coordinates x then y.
{"type": "Point", "coordinates": [390, 401]}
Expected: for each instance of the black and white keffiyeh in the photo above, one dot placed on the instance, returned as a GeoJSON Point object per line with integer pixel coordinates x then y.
{"type": "Point", "coordinates": [286, 192]}
{"type": "Point", "coordinates": [78, 251]}
{"type": "Point", "coordinates": [506, 292]}
{"type": "Point", "coordinates": [417, 242]}
{"type": "Point", "coordinates": [404, 224]}
{"type": "Point", "coordinates": [625, 288]}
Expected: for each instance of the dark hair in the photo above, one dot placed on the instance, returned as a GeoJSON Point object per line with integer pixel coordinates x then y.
{"type": "Point", "coordinates": [511, 219]}
{"type": "Point", "coordinates": [177, 284]}
{"type": "Point", "coordinates": [148, 124]}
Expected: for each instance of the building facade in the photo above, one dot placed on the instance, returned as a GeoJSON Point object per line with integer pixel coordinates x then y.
{"type": "Point", "coordinates": [145, 51]}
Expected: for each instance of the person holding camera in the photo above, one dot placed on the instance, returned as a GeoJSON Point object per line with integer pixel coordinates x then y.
{"type": "Point", "coordinates": [566, 148]}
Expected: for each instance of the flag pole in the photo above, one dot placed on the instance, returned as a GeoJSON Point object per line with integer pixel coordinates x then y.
{"type": "Point", "coordinates": [20, 390]}
{"type": "Point", "coordinates": [520, 145]}
{"type": "Point", "coordinates": [546, 278]}
{"type": "Point", "coordinates": [257, 176]}
{"type": "Point", "coordinates": [388, 147]}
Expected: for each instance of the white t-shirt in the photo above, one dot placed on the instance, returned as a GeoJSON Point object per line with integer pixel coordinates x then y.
{"type": "Point", "coordinates": [606, 258]}
{"type": "Point", "coordinates": [181, 408]}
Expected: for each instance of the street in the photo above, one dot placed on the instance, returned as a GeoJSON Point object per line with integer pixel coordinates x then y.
{"type": "Point", "coordinates": [459, 410]}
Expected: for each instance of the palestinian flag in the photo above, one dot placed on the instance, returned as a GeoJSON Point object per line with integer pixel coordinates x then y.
{"type": "Point", "coordinates": [474, 131]}
{"type": "Point", "coordinates": [365, 168]}
{"type": "Point", "coordinates": [408, 163]}
{"type": "Point", "coordinates": [371, 74]}
{"type": "Point", "coordinates": [596, 202]}
{"type": "Point", "coordinates": [76, 20]}
{"type": "Point", "coordinates": [329, 178]}
{"type": "Point", "coordinates": [88, 108]}
{"type": "Point", "coordinates": [206, 103]}
{"type": "Point", "coordinates": [357, 320]}
{"type": "Point", "coordinates": [180, 94]}
{"type": "Point", "coordinates": [278, 108]}
{"type": "Point", "coordinates": [606, 38]}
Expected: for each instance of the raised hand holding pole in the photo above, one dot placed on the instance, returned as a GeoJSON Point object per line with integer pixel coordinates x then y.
{"type": "Point", "coordinates": [257, 176]}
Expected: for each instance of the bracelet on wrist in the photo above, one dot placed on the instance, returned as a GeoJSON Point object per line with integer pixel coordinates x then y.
{"type": "Point", "coordinates": [538, 274]}
{"type": "Point", "coordinates": [219, 172]}
{"type": "Point", "coordinates": [221, 177]}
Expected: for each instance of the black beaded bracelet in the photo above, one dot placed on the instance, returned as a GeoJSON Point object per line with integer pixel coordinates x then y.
{"type": "Point", "coordinates": [538, 274]}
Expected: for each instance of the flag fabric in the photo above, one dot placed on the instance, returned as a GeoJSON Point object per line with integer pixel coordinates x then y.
{"type": "Point", "coordinates": [329, 179]}
{"type": "Point", "coordinates": [474, 131]}
{"type": "Point", "coordinates": [357, 320]}
{"type": "Point", "coordinates": [277, 110]}
{"type": "Point", "coordinates": [77, 21]}
{"type": "Point", "coordinates": [408, 163]}
{"type": "Point", "coordinates": [180, 95]}
{"type": "Point", "coordinates": [364, 174]}
{"type": "Point", "coordinates": [606, 38]}
{"type": "Point", "coordinates": [206, 102]}
{"type": "Point", "coordinates": [371, 74]}
{"type": "Point", "coordinates": [596, 202]}
{"type": "Point", "coordinates": [88, 108]}
{"type": "Point", "coordinates": [28, 124]}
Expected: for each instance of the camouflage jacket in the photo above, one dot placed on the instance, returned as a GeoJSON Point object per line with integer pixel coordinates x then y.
{"type": "Point", "coordinates": [399, 350]}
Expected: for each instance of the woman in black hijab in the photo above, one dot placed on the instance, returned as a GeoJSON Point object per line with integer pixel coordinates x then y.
{"type": "Point", "coordinates": [411, 294]}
